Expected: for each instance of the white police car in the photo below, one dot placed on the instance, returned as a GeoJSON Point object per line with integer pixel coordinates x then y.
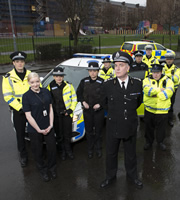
{"type": "Point", "coordinates": [75, 69]}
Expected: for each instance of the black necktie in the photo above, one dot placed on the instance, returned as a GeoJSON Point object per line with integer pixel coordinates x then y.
{"type": "Point", "coordinates": [123, 86]}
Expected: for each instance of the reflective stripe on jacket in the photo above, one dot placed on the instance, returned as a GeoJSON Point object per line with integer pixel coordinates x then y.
{"type": "Point", "coordinates": [155, 100]}
{"type": "Point", "coordinates": [150, 61]}
{"type": "Point", "coordinates": [69, 96]}
{"type": "Point", "coordinates": [110, 73]}
{"type": "Point", "coordinates": [173, 73]}
{"type": "Point", "coordinates": [13, 88]}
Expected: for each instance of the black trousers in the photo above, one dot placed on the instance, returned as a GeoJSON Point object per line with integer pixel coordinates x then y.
{"type": "Point", "coordinates": [94, 121]}
{"type": "Point", "coordinates": [170, 113]}
{"type": "Point", "coordinates": [154, 122]}
{"type": "Point", "coordinates": [112, 149]}
{"type": "Point", "coordinates": [19, 121]}
{"type": "Point", "coordinates": [63, 130]}
{"type": "Point", "coordinates": [37, 150]}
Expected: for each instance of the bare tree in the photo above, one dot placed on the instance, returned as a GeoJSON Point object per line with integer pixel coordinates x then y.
{"type": "Point", "coordinates": [109, 16]}
{"type": "Point", "coordinates": [170, 13]}
{"type": "Point", "coordinates": [75, 13]}
{"type": "Point", "coordinates": [153, 10]}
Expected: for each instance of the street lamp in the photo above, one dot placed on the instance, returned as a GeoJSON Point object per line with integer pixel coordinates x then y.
{"type": "Point", "coordinates": [12, 26]}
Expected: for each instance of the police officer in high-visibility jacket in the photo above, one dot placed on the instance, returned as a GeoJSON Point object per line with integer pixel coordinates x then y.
{"type": "Point", "coordinates": [106, 72]}
{"type": "Point", "coordinates": [89, 93]}
{"type": "Point", "coordinates": [148, 58]}
{"type": "Point", "coordinates": [14, 85]}
{"type": "Point", "coordinates": [139, 66]}
{"type": "Point", "coordinates": [171, 70]}
{"type": "Point", "coordinates": [158, 90]}
{"type": "Point", "coordinates": [64, 103]}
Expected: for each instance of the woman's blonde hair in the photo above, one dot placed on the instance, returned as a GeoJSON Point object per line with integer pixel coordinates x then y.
{"type": "Point", "coordinates": [32, 75]}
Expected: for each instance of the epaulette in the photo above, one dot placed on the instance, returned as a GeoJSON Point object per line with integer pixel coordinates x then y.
{"type": "Point", "coordinates": [137, 78]}
{"type": "Point", "coordinates": [7, 75]}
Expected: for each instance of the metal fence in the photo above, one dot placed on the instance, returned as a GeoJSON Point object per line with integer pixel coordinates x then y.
{"type": "Point", "coordinates": [104, 43]}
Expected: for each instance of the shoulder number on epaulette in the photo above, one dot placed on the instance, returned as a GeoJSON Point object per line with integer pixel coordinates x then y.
{"type": "Point", "coordinates": [7, 75]}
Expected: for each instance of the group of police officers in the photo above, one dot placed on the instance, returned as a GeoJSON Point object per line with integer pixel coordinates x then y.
{"type": "Point", "coordinates": [109, 89]}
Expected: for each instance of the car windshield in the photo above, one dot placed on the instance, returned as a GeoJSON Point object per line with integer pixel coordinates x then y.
{"type": "Point", "coordinates": [142, 46]}
{"type": "Point", "coordinates": [73, 75]}
{"type": "Point", "coordinates": [127, 46]}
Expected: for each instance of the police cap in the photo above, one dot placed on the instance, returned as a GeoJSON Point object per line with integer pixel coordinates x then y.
{"type": "Point", "coordinates": [106, 60]}
{"type": "Point", "coordinates": [156, 67]}
{"type": "Point", "coordinates": [58, 71]}
{"type": "Point", "coordinates": [121, 56]}
{"type": "Point", "coordinates": [148, 47]}
{"type": "Point", "coordinates": [169, 56]}
{"type": "Point", "coordinates": [93, 66]}
{"type": "Point", "coordinates": [18, 55]}
{"type": "Point", "coordinates": [138, 53]}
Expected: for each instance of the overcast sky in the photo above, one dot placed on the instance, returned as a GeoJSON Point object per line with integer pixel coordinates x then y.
{"type": "Point", "coordinates": [141, 2]}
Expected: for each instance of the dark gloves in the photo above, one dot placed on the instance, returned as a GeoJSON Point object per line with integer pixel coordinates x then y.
{"type": "Point", "coordinates": [69, 111]}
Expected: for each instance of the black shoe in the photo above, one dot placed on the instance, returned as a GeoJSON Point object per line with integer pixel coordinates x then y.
{"type": "Point", "coordinates": [45, 177]}
{"type": "Point", "coordinates": [162, 146]}
{"type": "Point", "coordinates": [53, 174]}
{"type": "Point", "coordinates": [63, 156]}
{"type": "Point", "coordinates": [171, 123]}
{"type": "Point", "coordinates": [178, 116]}
{"type": "Point", "coordinates": [90, 155]}
{"type": "Point", "coordinates": [23, 161]}
{"type": "Point", "coordinates": [99, 154]}
{"type": "Point", "coordinates": [107, 182]}
{"type": "Point", "coordinates": [70, 155]}
{"type": "Point", "coordinates": [136, 182]}
{"type": "Point", "coordinates": [147, 146]}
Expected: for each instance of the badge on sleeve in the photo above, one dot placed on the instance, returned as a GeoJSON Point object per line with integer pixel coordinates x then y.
{"type": "Point", "coordinates": [44, 113]}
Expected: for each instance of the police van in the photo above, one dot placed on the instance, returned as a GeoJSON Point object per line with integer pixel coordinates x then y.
{"type": "Point", "coordinates": [76, 69]}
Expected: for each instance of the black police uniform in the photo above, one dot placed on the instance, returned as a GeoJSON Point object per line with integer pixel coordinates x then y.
{"type": "Point", "coordinates": [36, 103]}
{"type": "Point", "coordinates": [122, 122]}
{"type": "Point", "coordinates": [143, 67]}
{"type": "Point", "coordinates": [90, 91]}
{"type": "Point", "coordinates": [62, 123]}
{"type": "Point", "coordinates": [138, 66]}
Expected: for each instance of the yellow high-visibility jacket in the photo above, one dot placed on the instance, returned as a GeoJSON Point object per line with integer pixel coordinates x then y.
{"type": "Point", "coordinates": [69, 96]}
{"type": "Point", "coordinates": [110, 73]}
{"type": "Point", "coordinates": [155, 100]}
{"type": "Point", "coordinates": [13, 88]}
{"type": "Point", "coordinates": [173, 73]}
{"type": "Point", "coordinates": [150, 61]}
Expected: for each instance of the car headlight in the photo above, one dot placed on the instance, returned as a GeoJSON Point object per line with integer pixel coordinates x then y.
{"type": "Point", "coordinates": [76, 117]}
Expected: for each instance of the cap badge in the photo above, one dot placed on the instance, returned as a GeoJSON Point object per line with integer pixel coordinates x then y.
{"type": "Point", "coordinates": [117, 55]}
{"type": "Point", "coordinates": [19, 54]}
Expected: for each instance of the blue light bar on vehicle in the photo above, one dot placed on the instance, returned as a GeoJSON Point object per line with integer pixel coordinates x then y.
{"type": "Point", "coordinates": [98, 56]}
{"type": "Point", "coordinates": [145, 40]}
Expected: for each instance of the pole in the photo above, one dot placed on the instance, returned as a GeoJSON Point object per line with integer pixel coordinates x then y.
{"type": "Point", "coordinates": [69, 41]}
{"type": "Point", "coordinates": [125, 19]}
{"type": "Point", "coordinates": [12, 26]}
{"type": "Point", "coordinates": [99, 44]}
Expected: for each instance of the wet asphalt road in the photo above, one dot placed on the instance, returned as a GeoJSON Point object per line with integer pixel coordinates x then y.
{"type": "Point", "coordinates": [80, 179]}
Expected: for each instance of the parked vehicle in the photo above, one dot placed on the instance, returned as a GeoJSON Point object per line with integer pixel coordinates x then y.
{"type": "Point", "coordinates": [158, 49]}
